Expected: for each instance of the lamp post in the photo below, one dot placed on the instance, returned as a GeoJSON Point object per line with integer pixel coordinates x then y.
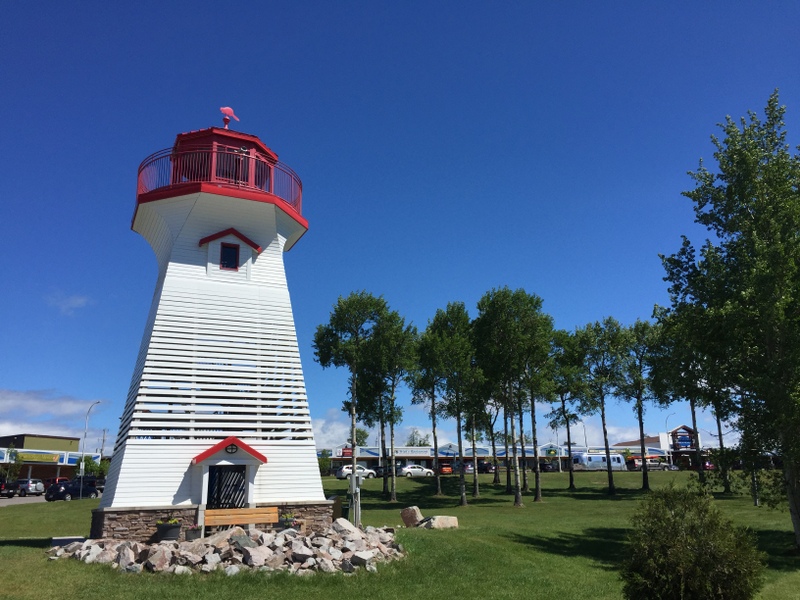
{"type": "Point", "coordinates": [83, 452]}
{"type": "Point", "coordinates": [585, 443]}
{"type": "Point", "coordinates": [669, 441]}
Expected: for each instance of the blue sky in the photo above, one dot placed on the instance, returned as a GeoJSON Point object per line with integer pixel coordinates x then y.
{"type": "Point", "coordinates": [445, 149]}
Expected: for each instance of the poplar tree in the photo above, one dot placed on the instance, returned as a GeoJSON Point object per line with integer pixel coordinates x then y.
{"type": "Point", "coordinates": [745, 279]}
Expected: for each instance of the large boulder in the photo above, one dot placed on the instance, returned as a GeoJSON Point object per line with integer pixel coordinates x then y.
{"type": "Point", "coordinates": [440, 522]}
{"type": "Point", "coordinates": [411, 516]}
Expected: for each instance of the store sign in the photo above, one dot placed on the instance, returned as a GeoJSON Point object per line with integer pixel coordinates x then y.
{"type": "Point", "coordinates": [347, 452]}
{"type": "Point", "coordinates": [37, 457]}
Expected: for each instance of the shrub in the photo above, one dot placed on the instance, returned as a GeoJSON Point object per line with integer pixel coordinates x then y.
{"type": "Point", "coordinates": [681, 548]}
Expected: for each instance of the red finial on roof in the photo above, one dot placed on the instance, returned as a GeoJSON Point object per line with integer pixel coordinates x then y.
{"type": "Point", "coordinates": [228, 112]}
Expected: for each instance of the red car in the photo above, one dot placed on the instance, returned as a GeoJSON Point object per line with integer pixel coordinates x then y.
{"type": "Point", "coordinates": [53, 480]}
{"type": "Point", "coordinates": [446, 469]}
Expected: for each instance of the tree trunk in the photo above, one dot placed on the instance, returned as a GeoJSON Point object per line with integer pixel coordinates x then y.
{"type": "Point", "coordinates": [476, 490]}
{"type": "Point", "coordinates": [517, 491]}
{"type": "Point", "coordinates": [393, 465]}
{"type": "Point", "coordinates": [462, 486]}
{"type": "Point", "coordinates": [640, 418]}
{"type": "Point", "coordinates": [435, 447]}
{"type": "Point", "coordinates": [496, 478]}
{"type": "Point", "coordinates": [537, 473]}
{"type": "Point", "coordinates": [701, 474]}
{"type": "Point", "coordinates": [355, 500]}
{"type": "Point", "coordinates": [509, 490]}
{"type": "Point", "coordinates": [569, 444]}
{"type": "Point", "coordinates": [611, 489]}
{"type": "Point", "coordinates": [723, 465]}
{"type": "Point", "coordinates": [524, 461]}
{"type": "Point", "coordinates": [384, 456]}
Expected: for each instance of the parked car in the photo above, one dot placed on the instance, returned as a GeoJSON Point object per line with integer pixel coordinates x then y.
{"type": "Point", "coordinates": [485, 466]}
{"type": "Point", "coordinates": [34, 487]}
{"type": "Point", "coordinates": [548, 466]}
{"type": "Point", "coordinates": [347, 470]}
{"type": "Point", "coordinates": [54, 480]}
{"type": "Point", "coordinates": [469, 468]}
{"type": "Point", "coordinates": [415, 471]}
{"type": "Point", "coordinates": [72, 490]}
{"type": "Point", "coordinates": [445, 469]}
{"type": "Point", "coordinates": [8, 488]}
{"type": "Point", "coordinates": [93, 481]}
{"type": "Point", "coordinates": [653, 464]}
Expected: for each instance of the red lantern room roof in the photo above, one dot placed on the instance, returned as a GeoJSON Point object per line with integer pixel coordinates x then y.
{"type": "Point", "coordinates": [223, 162]}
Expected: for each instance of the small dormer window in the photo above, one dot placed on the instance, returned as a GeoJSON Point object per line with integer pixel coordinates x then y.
{"type": "Point", "coordinates": [229, 257]}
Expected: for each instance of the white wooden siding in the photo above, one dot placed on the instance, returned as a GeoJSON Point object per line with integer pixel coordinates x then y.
{"type": "Point", "coordinates": [219, 358]}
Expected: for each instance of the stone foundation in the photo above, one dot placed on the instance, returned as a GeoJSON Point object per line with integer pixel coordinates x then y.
{"type": "Point", "coordinates": [139, 524]}
{"type": "Point", "coordinates": [316, 517]}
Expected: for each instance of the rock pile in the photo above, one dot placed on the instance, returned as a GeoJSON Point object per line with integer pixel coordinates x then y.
{"type": "Point", "coordinates": [343, 547]}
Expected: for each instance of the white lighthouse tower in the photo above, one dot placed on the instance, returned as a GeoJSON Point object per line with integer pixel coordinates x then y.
{"type": "Point", "coordinates": [217, 415]}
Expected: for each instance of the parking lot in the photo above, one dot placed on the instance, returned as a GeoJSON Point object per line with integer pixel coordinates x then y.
{"type": "Point", "coordinates": [17, 500]}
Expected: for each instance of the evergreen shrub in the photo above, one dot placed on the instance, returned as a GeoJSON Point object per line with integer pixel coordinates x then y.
{"type": "Point", "coordinates": [681, 548]}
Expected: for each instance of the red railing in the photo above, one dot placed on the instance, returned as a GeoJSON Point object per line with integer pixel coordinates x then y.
{"type": "Point", "coordinates": [223, 165]}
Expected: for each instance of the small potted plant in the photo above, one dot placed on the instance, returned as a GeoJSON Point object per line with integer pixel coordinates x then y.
{"type": "Point", "coordinates": [168, 529]}
{"type": "Point", "coordinates": [287, 520]}
{"type": "Point", "coordinates": [193, 532]}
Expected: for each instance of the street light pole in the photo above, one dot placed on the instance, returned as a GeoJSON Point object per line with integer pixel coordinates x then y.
{"type": "Point", "coordinates": [585, 443]}
{"type": "Point", "coordinates": [83, 452]}
{"type": "Point", "coordinates": [669, 442]}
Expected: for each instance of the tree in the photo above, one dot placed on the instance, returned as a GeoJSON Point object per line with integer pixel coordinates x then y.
{"type": "Point", "coordinates": [453, 328]}
{"type": "Point", "coordinates": [635, 385]}
{"type": "Point", "coordinates": [602, 344]}
{"type": "Point", "coordinates": [343, 342]}
{"type": "Point", "coordinates": [425, 381]}
{"type": "Point", "coordinates": [362, 437]}
{"type": "Point", "coordinates": [391, 356]}
{"type": "Point", "coordinates": [415, 438]}
{"type": "Point", "coordinates": [746, 280]}
{"type": "Point", "coordinates": [500, 351]}
{"type": "Point", "coordinates": [679, 370]}
{"type": "Point", "coordinates": [569, 386]}
{"type": "Point", "coordinates": [96, 469]}
{"type": "Point", "coordinates": [324, 462]}
{"type": "Point", "coordinates": [537, 373]}
{"type": "Point", "coordinates": [14, 463]}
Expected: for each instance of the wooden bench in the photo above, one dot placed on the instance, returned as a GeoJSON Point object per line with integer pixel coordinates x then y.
{"type": "Point", "coordinates": [215, 517]}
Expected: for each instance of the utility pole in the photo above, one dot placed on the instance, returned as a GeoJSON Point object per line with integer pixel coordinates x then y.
{"type": "Point", "coordinates": [103, 444]}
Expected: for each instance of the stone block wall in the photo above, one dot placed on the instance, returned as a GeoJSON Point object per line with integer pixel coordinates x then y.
{"type": "Point", "coordinates": [317, 517]}
{"type": "Point", "coordinates": [139, 524]}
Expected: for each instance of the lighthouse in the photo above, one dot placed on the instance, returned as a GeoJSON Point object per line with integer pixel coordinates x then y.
{"type": "Point", "coordinates": [216, 417]}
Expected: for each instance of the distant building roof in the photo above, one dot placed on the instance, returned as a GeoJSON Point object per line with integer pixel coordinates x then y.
{"type": "Point", "coordinates": [648, 441]}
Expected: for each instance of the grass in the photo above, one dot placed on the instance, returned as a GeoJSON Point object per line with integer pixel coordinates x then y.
{"type": "Point", "coordinates": [568, 547]}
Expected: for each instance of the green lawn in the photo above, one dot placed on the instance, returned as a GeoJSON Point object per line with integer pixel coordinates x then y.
{"type": "Point", "coordinates": [567, 547]}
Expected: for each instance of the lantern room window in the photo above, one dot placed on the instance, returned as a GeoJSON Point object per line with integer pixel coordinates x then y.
{"type": "Point", "coordinates": [229, 257]}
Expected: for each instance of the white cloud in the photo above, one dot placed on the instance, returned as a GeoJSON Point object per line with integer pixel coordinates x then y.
{"type": "Point", "coordinates": [67, 305]}
{"type": "Point", "coordinates": [334, 429]}
{"type": "Point", "coordinates": [331, 431]}
{"type": "Point", "coordinates": [47, 413]}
